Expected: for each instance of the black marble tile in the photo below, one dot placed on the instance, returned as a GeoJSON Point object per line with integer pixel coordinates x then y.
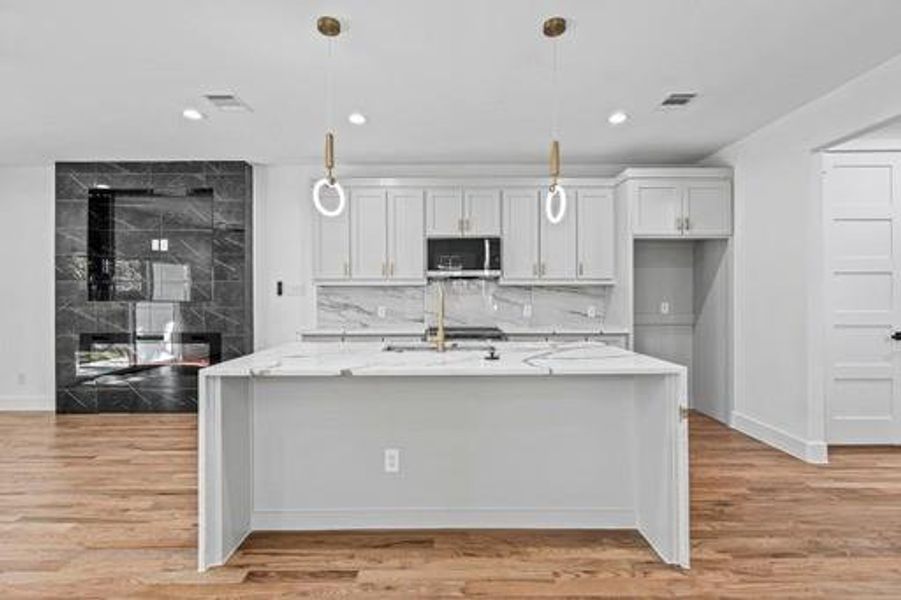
{"type": "Point", "coordinates": [190, 247]}
{"type": "Point", "coordinates": [201, 291]}
{"type": "Point", "coordinates": [176, 183]}
{"type": "Point", "coordinates": [113, 317]}
{"type": "Point", "coordinates": [71, 293]}
{"type": "Point", "coordinates": [177, 166]}
{"type": "Point", "coordinates": [71, 320]}
{"type": "Point", "coordinates": [72, 214]}
{"type": "Point", "coordinates": [186, 214]}
{"type": "Point", "coordinates": [234, 346]}
{"type": "Point", "coordinates": [71, 241]}
{"type": "Point", "coordinates": [225, 320]}
{"type": "Point", "coordinates": [229, 215]}
{"type": "Point", "coordinates": [115, 399]}
{"type": "Point", "coordinates": [228, 268]}
{"type": "Point", "coordinates": [124, 181]}
{"type": "Point", "coordinates": [221, 167]}
{"type": "Point", "coordinates": [80, 399]}
{"type": "Point", "coordinates": [123, 167]}
{"type": "Point", "coordinates": [227, 242]}
{"type": "Point", "coordinates": [177, 400]}
{"type": "Point", "coordinates": [229, 188]}
{"type": "Point", "coordinates": [228, 293]}
{"type": "Point", "coordinates": [74, 185]}
{"type": "Point", "coordinates": [136, 214]}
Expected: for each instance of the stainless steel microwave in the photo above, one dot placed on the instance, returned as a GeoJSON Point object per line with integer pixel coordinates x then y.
{"type": "Point", "coordinates": [464, 257]}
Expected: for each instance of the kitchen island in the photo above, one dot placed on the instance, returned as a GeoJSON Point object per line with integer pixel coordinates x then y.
{"type": "Point", "coordinates": [325, 436]}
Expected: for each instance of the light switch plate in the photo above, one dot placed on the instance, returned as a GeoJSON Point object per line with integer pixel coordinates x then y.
{"type": "Point", "coordinates": [392, 460]}
{"type": "Point", "coordinates": [382, 312]}
{"type": "Point", "coordinates": [154, 245]}
{"type": "Point", "coordinates": [526, 311]}
{"type": "Point", "coordinates": [164, 245]}
{"type": "Point", "coordinates": [592, 312]}
{"type": "Point", "coordinates": [664, 308]}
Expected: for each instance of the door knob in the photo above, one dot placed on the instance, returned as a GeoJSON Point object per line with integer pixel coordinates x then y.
{"type": "Point", "coordinates": [896, 335]}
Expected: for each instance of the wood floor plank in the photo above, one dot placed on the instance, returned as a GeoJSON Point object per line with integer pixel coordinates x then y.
{"type": "Point", "coordinates": [104, 506]}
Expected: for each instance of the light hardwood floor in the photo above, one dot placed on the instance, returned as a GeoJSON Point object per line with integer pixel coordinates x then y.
{"type": "Point", "coordinates": [105, 506]}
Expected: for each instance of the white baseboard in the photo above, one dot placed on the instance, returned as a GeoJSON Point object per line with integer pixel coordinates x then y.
{"type": "Point", "coordinates": [29, 403]}
{"type": "Point", "coordinates": [443, 518]}
{"type": "Point", "coordinates": [806, 450]}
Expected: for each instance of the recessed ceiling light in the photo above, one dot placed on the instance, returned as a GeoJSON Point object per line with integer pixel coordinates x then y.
{"type": "Point", "coordinates": [192, 114]}
{"type": "Point", "coordinates": [618, 118]}
{"type": "Point", "coordinates": [357, 118]}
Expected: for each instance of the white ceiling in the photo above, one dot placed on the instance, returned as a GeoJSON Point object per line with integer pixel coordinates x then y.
{"type": "Point", "coordinates": [451, 80]}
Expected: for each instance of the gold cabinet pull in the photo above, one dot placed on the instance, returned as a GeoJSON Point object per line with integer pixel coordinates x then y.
{"type": "Point", "coordinates": [346, 269]}
{"type": "Point", "coordinates": [679, 223]}
{"type": "Point", "coordinates": [581, 268]}
{"type": "Point", "coordinates": [687, 223]}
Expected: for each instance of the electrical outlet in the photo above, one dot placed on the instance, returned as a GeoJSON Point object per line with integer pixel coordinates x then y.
{"type": "Point", "coordinates": [526, 311]}
{"type": "Point", "coordinates": [392, 460]}
{"type": "Point", "coordinates": [592, 312]}
{"type": "Point", "coordinates": [382, 311]}
{"type": "Point", "coordinates": [664, 308]}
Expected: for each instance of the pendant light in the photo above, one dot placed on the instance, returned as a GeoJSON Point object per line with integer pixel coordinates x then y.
{"type": "Point", "coordinates": [329, 27]}
{"type": "Point", "coordinates": [553, 29]}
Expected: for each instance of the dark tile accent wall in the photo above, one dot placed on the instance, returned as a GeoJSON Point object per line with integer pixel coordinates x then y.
{"type": "Point", "coordinates": [216, 244]}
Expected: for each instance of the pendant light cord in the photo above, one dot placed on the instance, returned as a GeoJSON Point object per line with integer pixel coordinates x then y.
{"type": "Point", "coordinates": [555, 106]}
{"type": "Point", "coordinates": [329, 89]}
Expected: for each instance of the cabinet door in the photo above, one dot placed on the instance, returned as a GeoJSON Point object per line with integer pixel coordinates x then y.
{"type": "Point", "coordinates": [558, 242]}
{"type": "Point", "coordinates": [332, 238]}
{"type": "Point", "coordinates": [406, 234]}
{"type": "Point", "coordinates": [444, 211]}
{"type": "Point", "coordinates": [596, 244]}
{"type": "Point", "coordinates": [708, 208]}
{"type": "Point", "coordinates": [519, 242]}
{"type": "Point", "coordinates": [657, 208]}
{"type": "Point", "coordinates": [482, 213]}
{"type": "Point", "coordinates": [369, 223]}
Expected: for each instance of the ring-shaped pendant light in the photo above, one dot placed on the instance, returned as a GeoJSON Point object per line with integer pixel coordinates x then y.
{"type": "Point", "coordinates": [553, 28]}
{"type": "Point", "coordinates": [330, 27]}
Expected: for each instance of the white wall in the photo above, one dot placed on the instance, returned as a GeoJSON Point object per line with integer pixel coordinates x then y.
{"type": "Point", "coordinates": [778, 250]}
{"type": "Point", "coordinates": [26, 288]}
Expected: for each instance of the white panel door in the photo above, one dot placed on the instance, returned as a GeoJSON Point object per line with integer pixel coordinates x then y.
{"type": "Point", "coordinates": [863, 238]}
{"type": "Point", "coordinates": [406, 234]}
{"type": "Point", "coordinates": [657, 208]}
{"type": "Point", "coordinates": [482, 213]}
{"type": "Point", "coordinates": [519, 243]}
{"type": "Point", "coordinates": [332, 238]}
{"type": "Point", "coordinates": [444, 211]}
{"type": "Point", "coordinates": [558, 244]}
{"type": "Point", "coordinates": [595, 236]}
{"type": "Point", "coordinates": [369, 224]}
{"type": "Point", "coordinates": [707, 208]}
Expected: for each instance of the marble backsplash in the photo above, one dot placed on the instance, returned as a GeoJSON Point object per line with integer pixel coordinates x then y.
{"type": "Point", "coordinates": [468, 302]}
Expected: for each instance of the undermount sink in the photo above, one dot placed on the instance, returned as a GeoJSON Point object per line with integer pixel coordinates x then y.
{"type": "Point", "coordinates": [430, 347]}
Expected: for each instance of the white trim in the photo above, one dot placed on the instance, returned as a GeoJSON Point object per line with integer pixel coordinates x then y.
{"type": "Point", "coordinates": [323, 519]}
{"type": "Point", "coordinates": [810, 451]}
{"type": "Point", "coordinates": [27, 403]}
{"type": "Point", "coordinates": [473, 182]}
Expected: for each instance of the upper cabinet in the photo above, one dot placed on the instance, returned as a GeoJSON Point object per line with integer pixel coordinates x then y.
{"type": "Point", "coordinates": [595, 235]}
{"type": "Point", "coordinates": [453, 212]}
{"type": "Point", "coordinates": [579, 249]}
{"type": "Point", "coordinates": [695, 203]}
{"type": "Point", "coordinates": [379, 238]}
{"type": "Point", "coordinates": [331, 253]}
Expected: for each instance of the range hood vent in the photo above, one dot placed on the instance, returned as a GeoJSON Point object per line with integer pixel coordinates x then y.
{"type": "Point", "coordinates": [678, 100]}
{"type": "Point", "coordinates": [227, 102]}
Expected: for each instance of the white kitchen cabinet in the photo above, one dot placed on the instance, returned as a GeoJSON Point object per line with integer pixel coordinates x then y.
{"type": "Point", "coordinates": [558, 244]}
{"type": "Point", "coordinates": [673, 207]}
{"type": "Point", "coordinates": [369, 224]}
{"type": "Point", "coordinates": [708, 208]}
{"type": "Point", "coordinates": [595, 234]}
{"type": "Point", "coordinates": [444, 212]}
{"type": "Point", "coordinates": [454, 212]}
{"type": "Point", "coordinates": [482, 213]}
{"type": "Point", "coordinates": [519, 245]}
{"type": "Point", "coordinates": [406, 235]}
{"type": "Point", "coordinates": [331, 256]}
{"type": "Point", "coordinates": [657, 208]}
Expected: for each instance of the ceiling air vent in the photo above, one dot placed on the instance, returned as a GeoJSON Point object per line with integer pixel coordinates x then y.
{"type": "Point", "coordinates": [227, 102]}
{"type": "Point", "coordinates": [678, 100]}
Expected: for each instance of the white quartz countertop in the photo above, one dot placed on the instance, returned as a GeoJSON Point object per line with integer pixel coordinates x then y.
{"type": "Point", "coordinates": [369, 359]}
